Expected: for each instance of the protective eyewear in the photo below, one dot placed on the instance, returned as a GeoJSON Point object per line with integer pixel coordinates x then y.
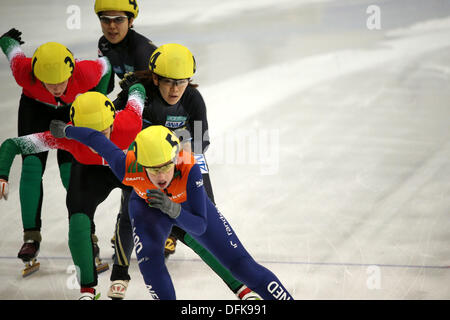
{"type": "Point", "coordinates": [173, 82]}
{"type": "Point", "coordinates": [115, 19]}
{"type": "Point", "coordinates": [164, 169]}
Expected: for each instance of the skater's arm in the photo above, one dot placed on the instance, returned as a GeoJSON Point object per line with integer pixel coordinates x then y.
{"type": "Point", "coordinates": [10, 43]}
{"type": "Point", "coordinates": [199, 120]}
{"type": "Point", "coordinates": [136, 101]}
{"type": "Point", "coordinates": [105, 147]}
{"type": "Point", "coordinates": [103, 51]}
{"type": "Point", "coordinates": [20, 65]}
{"type": "Point", "coordinates": [192, 217]}
{"type": "Point", "coordinates": [29, 144]}
{"type": "Point", "coordinates": [191, 214]}
{"type": "Point", "coordinates": [94, 75]}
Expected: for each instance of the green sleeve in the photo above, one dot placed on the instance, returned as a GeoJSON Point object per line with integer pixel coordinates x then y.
{"type": "Point", "coordinates": [8, 44]}
{"type": "Point", "coordinates": [8, 151]}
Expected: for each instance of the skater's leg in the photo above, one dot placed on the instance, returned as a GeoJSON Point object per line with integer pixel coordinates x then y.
{"type": "Point", "coordinates": [34, 117]}
{"type": "Point", "coordinates": [88, 187]}
{"type": "Point", "coordinates": [123, 247]}
{"type": "Point", "coordinates": [64, 158]}
{"type": "Point", "coordinates": [150, 230]}
{"type": "Point", "coordinates": [31, 190]}
{"type": "Point", "coordinates": [123, 236]}
{"type": "Point", "coordinates": [223, 242]}
{"type": "Point", "coordinates": [81, 249]}
{"type": "Point", "coordinates": [31, 194]}
{"type": "Point", "coordinates": [208, 258]}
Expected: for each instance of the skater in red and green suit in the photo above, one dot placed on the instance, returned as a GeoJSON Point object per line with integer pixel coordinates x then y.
{"type": "Point", "coordinates": [50, 81]}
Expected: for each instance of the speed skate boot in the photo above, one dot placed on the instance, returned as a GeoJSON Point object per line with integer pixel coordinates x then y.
{"type": "Point", "coordinates": [29, 251]}
{"type": "Point", "coordinates": [119, 282]}
{"type": "Point", "coordinates": [88, 294]}
{"type": "Point", "coordinates": [99, 264]}
{"type": "Point", "coordinates": [118, 289]}
{"type": "Point", "coordinates": [245, 293]}
{"type": "Point", "coordinates": [170, 246]}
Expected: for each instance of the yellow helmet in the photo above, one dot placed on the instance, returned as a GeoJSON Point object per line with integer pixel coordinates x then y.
{"type": "Point", "coordinates": [173, 61]}
{"type": "Point", "coordinates": [52, 63]}
{"type": "Point", "coordinates": [92, 110]}
{"type": "Point", "coordinates": [156, 145]}
{"type": "Point", "coordinates": [117, 5]}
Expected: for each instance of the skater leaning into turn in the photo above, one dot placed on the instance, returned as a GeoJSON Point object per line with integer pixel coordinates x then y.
{"type": "Point", "coordinates": [91, 178]}
{"type": "Point", "coordinates": [172, 101]}
{"type": "Point", "coordinates": [168, 190]}
{"type": "Point", "coordinates": [50, 81]}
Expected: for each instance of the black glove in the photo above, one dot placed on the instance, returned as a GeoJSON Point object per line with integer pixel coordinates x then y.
{"type": "Point", "coordinates": [58, 128]}
{"type": "Point", "coordinates": [128, 80]}
{"type": "Point", "coordinates": [14, 34]}
{"type": "Point", "coordinates": [157, 199]}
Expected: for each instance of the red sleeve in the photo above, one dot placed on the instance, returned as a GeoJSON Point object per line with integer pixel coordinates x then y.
{"type": "Point", "coordinates": [126, 126]}
{"type": "Point", "coordinates": [128, 122]}
{"type": "Point", "coordinates": [21, 70]}
{"type": "Point", "coordinates": [88, 73]}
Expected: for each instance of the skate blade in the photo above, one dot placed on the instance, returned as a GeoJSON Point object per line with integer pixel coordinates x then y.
{"type": "Point", "coordinates": [30, 268]}
{"type": "Point", "coordinates": [101, 267]}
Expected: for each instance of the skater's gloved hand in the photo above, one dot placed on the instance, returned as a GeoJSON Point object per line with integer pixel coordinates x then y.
{"type": "Point", "coordinates": [157, 199]}
{"type": "Point", "coordinates": [14, 34]}
{"type": "Point", "coordinates": [128, 80]}
{"type": "Point", "coordinates": [58, 128]}
{"type": "Point", "coordinates": [4, 189]}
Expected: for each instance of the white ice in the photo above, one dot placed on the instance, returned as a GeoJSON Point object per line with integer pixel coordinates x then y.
{"type": "Point", "coordinates": [330, 144]}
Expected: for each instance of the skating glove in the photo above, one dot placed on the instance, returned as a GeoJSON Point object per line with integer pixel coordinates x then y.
{"type": "Point", "coordinates": [58, 128]}
{"type": "Point", "coordinates": [4, 189]}
{"type": "Point", "coordinates": [157, 199]}
{"type": "Point", "coordinates": [14, 34]}
{"type": "Point", "coordinates": [128, 80]}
